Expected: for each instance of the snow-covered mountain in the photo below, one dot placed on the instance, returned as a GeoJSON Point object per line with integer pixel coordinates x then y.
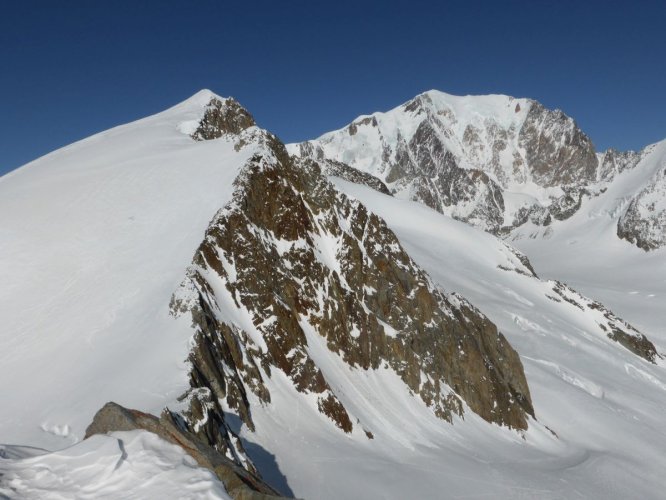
{"type": "Point", "coordinates": [494, 161]}
{"type": "Point", "coordinates": [644, 221]}
{"type": "Point", "coordinates": [304, 326]}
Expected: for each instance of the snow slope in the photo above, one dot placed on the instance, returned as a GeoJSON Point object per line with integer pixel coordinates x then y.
{"type": "Point", "coordinates": [122, 465]}
{"type": "Point", "coordinates": [94, 239]}
{"type": "Point", "coordinates": [604, 403]}
{"type": "Point", "coordinates": [585, 251]}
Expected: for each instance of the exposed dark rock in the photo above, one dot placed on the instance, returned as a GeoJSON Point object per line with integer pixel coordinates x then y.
{"type": "Point", "coordinates": [240, 483]}
{"type": "Point", "coordinates": [528, 271]}
{"type": "Point", "coordinates": [647, 233]}
{"type": "Point", "coordinates": [222, 117]}
{"type": "Point", "coordinates": [351, 174]}
{"type": "Point", "coordinates": [568, 204]}
{"type": "Point", "coordinates": [558, 153]}
{"type": "Point", "coordinates": [353, 126]}
{"type": "Point", "coordinates": [440, 183]}
{"type": "Point", "coordinates": [614, 162]}
{"type": "Point", "coordinates": [615, 328]}
{"type": "Point", "coordinates": [536, 214]}
{"type": "Point", "coordinates": [461, 168]}
{"type": "Point", "coordinates": [635, 342]}
{"type": "Point", "coordinates": [370, 304]}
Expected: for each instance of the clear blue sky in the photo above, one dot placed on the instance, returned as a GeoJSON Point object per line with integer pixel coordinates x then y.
{"type": "Point", "coordinates": [69, 69]}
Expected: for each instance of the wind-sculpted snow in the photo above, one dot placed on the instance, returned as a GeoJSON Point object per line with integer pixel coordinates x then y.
{"type": "Point", "coordinates": [94, 239]}
{"type": "Point", "coordinates": [321, 336]}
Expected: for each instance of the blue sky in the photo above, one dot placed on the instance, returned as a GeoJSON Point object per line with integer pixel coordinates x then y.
{"type": "Point", "coordinates": [69, 69]}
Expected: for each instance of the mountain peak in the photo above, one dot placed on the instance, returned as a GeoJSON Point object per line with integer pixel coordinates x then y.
{"type": "Point", "coordinates": [203, 97]}
{"type": "Point", "coordinates": [222, 116]}
{"type": "Point", "coordinates": [206, 115]}
{"type": "Point", "coordinates": [196, 104]}
{"type": "Point", "coordinates": [482, 145]}
{"type": "Point", "coordinates": [501, 108]}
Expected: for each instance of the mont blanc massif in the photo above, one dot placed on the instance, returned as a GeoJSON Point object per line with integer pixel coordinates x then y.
{"type": "Point", "coordinates": [457, 298]}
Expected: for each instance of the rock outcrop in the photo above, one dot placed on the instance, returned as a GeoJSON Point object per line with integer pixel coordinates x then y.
{"type": "Point", "coordinates": [644, 221]}
{"type": "Point", "coordinates": [222, 117]}
{"type": "Point", "coordinates": [613, 162]}
{"type": "Point", "coordinates": [614, 327]}
{"type": "Point", "coordinates": [557, 152]}
{"type": "Point", "coordinates": [291, 263]}
{"type": "Point", "coordinates": [240, 483]}
{"type": "Point", "coordinates": [334, 168]}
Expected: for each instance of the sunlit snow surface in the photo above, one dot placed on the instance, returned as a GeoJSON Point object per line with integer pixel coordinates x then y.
{"type": "Point", "coordinates": [585, 252]}
{"type": "Point", "coordinates": [95, 238]}
{"type": "Point", "coordinates": [605, 404]}
{"type": "Point", "coordinates": [123, 465]}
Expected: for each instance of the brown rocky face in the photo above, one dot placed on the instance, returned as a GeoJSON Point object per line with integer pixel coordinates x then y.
{"type": "Point", "coordinates": [301, 259]}
{"type": "Point", "coordinates": [223, 117]}
{"type": "Point", "coordinates": [438, 181]}
{"type": "Point", "coordinates": [614, 327]}
{"type": "Point", "coordinates": [557, 151]}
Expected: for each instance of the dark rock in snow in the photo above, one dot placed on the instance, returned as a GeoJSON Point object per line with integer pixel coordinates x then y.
{"type": "Point", "coordinates": [239, 482]}
{"type": "Point", "coordinates": [307, 264]}
{"type": "Point", "coordinates": [223, 117]}
{"type": "Point", "coordinates": [338, 169]}
{"type": "Point", "coordinates": [616, 328]}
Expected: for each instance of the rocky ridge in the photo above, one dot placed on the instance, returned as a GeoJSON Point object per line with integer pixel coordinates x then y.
{"type": "Point", "coordinates": [644, 221]}
{"type": "Point", "coordinates": [291, 263]}
{"type": "Point", "coordinates": [338, 169]}
{"type": "Point", "coordinates": [615, 328]}
{"type": "Point", "coordinates": [609, 324]}
{"type": "Point", "coordinates": [222, 117]}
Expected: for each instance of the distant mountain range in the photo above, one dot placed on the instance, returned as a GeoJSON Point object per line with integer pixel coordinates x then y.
{"type": "Point", "coordinates": [509, 166]}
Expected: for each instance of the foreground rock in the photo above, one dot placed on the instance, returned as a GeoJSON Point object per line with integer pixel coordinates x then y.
{"type": "Point", "coordinates": [239, 482]}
